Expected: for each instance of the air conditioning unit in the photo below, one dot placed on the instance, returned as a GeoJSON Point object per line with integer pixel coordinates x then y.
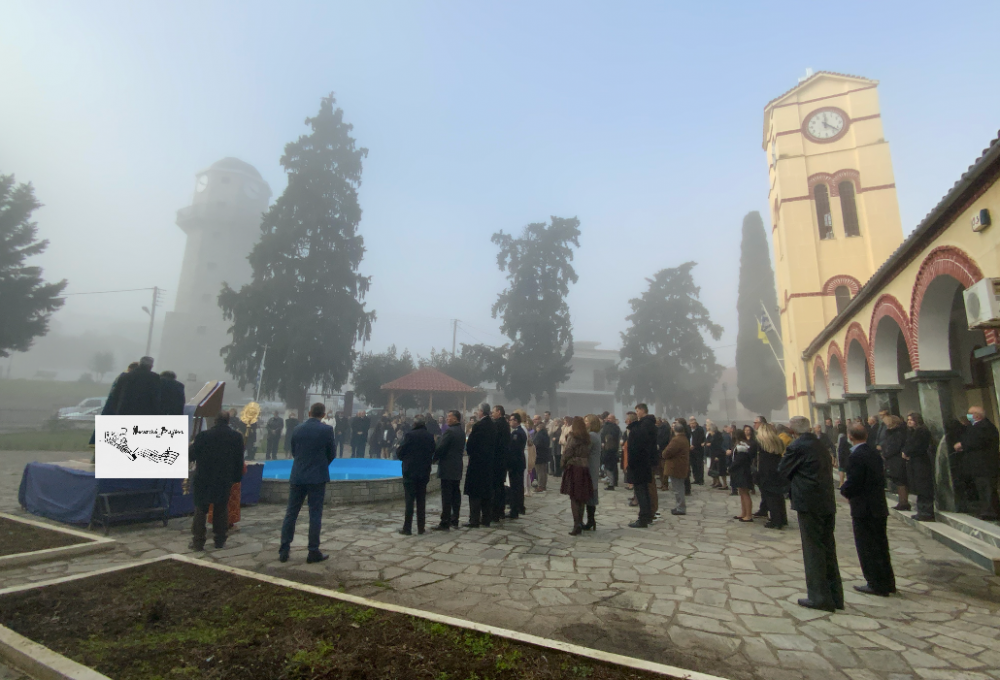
{"type": "Point", "coordinates": [982, 304]}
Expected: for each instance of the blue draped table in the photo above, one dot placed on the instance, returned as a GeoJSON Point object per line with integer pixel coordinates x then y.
{"type": "Point", "coordinates": [67, 494]}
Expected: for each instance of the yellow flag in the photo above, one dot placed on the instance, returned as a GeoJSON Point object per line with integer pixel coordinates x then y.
{"type": "Point", "coordinates": [761, 334]}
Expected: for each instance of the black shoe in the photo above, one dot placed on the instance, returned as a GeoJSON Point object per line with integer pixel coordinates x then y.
{"type": "Point", "coordinates": [638, 525]}
{"type": "Point", "coordinates": [922, 518]}
{"type": "Point", "coordinates": [760, 514]}
{"type": "Point", "coordinates": [868, 590]}
{"type": "Point", "coordinates": [220, 546]}
{"type": "Point", "coordinates": [420, 532]}
{"type": "Point", "coordinates": [282, 556]}
{"type": "Point", "coordinates": [486, 524]}
{"type": "Point", "coordinates": [903, 508]}
{"type": "Point", "coordinates": [405, 532]}
{"type": "Point", "coordinates": [454, 524]}
{"type": "Point", "coordinates": [471, 525]}
{"type": "Point", "coordinates": [441, 527]}
{"type": "Point", "coordinates": [315, 557]}
{"type": "Point", "coordinates": [195, 546]}
{"type": "Point", "coordinates": [772, 525]}
{"type": "Point", "coordinates": [675, 511]}
{"type": "Point", "coordinates": [809, 604]}
{"type": "Point", "coordinates": [577, 530]}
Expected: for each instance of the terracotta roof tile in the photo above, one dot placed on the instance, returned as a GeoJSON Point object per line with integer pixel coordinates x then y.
{"type": "Point", "coordinates": [427, 379]}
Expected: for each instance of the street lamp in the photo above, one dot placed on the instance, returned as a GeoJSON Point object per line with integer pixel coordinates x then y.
{"type": "Point", "coordinates": [152, 318]}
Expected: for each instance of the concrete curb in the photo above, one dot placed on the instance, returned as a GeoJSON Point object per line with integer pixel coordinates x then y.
{"type": "Point", "coordinates": [41, 663]}
{"type": "Point", "coordinates": [93, 544]}
{"type": "Point", "coordinates": [524, 638]}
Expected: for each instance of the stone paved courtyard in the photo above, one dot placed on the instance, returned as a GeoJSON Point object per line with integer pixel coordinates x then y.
{"type": "Point", "coordinates": [702, 591]}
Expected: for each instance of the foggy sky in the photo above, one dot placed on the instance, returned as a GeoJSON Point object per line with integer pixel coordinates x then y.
{"type": "Point", "coordinates": [642, 119]}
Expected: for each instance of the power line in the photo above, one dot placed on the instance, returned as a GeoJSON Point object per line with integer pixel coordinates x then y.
{"type": "Point", "coordinates": [102, 292]}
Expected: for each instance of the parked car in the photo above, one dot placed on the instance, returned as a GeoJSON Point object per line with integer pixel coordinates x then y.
{"type": "Point", "coordinates": [85, 410]}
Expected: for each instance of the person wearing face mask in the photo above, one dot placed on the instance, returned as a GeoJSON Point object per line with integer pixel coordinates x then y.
{"type": "Point", "coordinates": [980, 448]}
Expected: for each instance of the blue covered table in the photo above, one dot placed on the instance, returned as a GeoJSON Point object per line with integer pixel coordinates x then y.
{"type": "Point", "coordinates": [66, 493]}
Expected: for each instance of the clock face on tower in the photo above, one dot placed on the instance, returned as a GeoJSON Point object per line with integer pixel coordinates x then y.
{"type": "Point", "coordinates": [826, 125]}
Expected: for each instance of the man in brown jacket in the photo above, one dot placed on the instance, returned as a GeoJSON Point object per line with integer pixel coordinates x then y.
{"type": "Point", "coordinates": [676, 465]}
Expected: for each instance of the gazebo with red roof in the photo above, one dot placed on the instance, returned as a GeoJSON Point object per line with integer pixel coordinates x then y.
{"type": "Point", "coordinates": [427, 380]}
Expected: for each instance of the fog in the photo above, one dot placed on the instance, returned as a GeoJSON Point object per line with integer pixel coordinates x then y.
{"type": "Point", "coordinates": [644, 120]}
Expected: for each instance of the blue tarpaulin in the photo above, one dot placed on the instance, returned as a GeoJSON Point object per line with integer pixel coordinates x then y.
{"type": "Point", "coordinates": [67, 494]}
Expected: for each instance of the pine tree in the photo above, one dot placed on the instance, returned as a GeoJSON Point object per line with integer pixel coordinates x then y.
{"type": "Point", "coordinates": [533, 307]}
{"type": "Point", "coordinates": [26, 301]}
{"type": "Point", "coordinates": [374, 370]}
{"type": "Point", "coordinates": [664, 358]}
{"type": "Point", "coordinates": [305, 300]}
{"type": "Point", "coordinates": [759, 381]}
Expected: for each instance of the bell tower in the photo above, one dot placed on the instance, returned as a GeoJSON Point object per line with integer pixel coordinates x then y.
{"type": "Point", "coordinates": [834, 214]}
{"type": "Point", "coordinates": [222, 225]}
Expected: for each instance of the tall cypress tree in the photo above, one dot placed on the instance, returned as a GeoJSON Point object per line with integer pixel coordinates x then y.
{"type": "Point", "coordinates": [304, 302]}
{"type": "Point", "coordinates": [759, 380]}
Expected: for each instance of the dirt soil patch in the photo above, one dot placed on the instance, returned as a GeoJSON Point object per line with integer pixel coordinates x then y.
{"type": "Point", "coordinates": [178, 620]}
{"type": "Point", "coordinates": [18, 537]}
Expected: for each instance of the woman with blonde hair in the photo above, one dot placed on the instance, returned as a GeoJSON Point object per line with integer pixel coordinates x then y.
{"type": "Point", "coordinates": [576, 482]}
{"type": "Point", "coordinates": [770, 449]}
{"type": "Point", "coordinates": [593, 422]}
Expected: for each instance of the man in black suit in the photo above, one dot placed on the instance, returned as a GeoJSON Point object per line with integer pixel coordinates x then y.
{"type": "Point", "coordinates": [696, 455]}
{"type": "Point", "coordinates": [416, 451]}
{"type": "Point", "coordinates": [312, 449]}
{"type": "Point", "coordinates": [809, 468]}
{"type": "Point", "coordinates": [448, 456]}
{"type": "Point", "coordinates": [359, 434]}
{"type": "Point", "coordinates": [218, 453]}
{"type": "Point", "coordinates": [642, 454]}
{"type": "Point", "coordinates": [980, 447]}
{"type": "Point", "coordinates": [501, 456]}
{"type": "Point", "coordinates": [274, 427]}
{"type": "Point", "coordinates": [481, 447]}
{"type": "Point", "coordinates": [516, 464]}
{"type": "Point", "coordinates": [865, 489]}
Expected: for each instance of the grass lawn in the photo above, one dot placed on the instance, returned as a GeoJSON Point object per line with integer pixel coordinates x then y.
{"type": "Point", "coordinates": [67, 440]}
{"type": "Point", "coordinates": [176, 620]}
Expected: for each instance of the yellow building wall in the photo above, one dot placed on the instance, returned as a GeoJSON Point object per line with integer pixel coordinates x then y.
{"type": "Point", "coordinates": [804, 262]}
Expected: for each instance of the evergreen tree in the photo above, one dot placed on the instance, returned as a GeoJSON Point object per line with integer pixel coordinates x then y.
{"type": "Point", "coordinates": [664, 358]}
{"type": "Point", "coordinates": [26, 301]}
{"type": "Point", "coordinates": [101, 364]}
{"type": "Point", "coordinates": [533, 307]}
{"type": "Point", "coordinates": [374, 370]}
{"type": "Point", "coordinates": [760, 383]}
{"type": "Point", "coordinates": [305, 299]}
{"type": "Point", "coordinates": [465, 368]}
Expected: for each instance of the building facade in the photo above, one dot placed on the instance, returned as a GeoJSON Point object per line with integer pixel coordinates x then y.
{"type": "Point", "coordinates": [834, 214]}
{"type": "Point", "coordinates": [222, 225]}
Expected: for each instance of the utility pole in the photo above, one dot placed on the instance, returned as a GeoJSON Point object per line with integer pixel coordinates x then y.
{"type": "Point", "coordinates": [152, 318]}
{"type": "Point", "coordinates": [454, 336]}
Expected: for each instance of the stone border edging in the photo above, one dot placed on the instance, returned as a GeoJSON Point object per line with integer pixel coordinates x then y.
{"type": "Point", "coordinates": [524, 638]}
{"type": "Point", "coordinates": [93, 544]}
{"type": "Point", "coordinates": [40, 662]}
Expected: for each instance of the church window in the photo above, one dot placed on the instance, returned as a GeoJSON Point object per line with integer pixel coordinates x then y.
{"type": "Point", "coordinates": [843, 296]}
{"type": "Point", "coordinates": [823, 215]}
{"type": "Point", "coordinates": [849, 208]}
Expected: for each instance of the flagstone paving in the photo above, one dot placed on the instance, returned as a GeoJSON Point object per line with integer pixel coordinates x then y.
{"type": "Point", "coordinates": [702, 591]}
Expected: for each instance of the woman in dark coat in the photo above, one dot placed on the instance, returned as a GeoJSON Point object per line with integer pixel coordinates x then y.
{"type": "Point", "coordinates": [770, 449]}
{"type": "Point", "coordinates": [716, 452]}
{"type": "Point", "coordinates": [919, 457]}
{"type": "Point", "coordinates": [576, 482]}
{"type": "Point", "coordinates": [742, 475]}
{"type": "Point", "coordinates": [892, 454]}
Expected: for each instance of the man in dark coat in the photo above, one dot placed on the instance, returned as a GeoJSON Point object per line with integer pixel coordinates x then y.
{"type": "Point", "coordinates": [481, 447]}
{"type": "Point", "coordinates": [274, 426]}
{"type": "Point", "coordinates": [171, 394]}
{"type": "Point", "coordinates": [416, 451]}
{"type": "Point", "coordinates": [218, 454]}
{"type": "Point", "coordinates": [432, 425]}
{"type": "Point", "coordinates": [360, 425]}
{"type": "Point", "coordinates": [114, 394]}
{"type": "Point", "coordinates": [500, 458]}
{"type": "Point", "coordinates": [980, 447]}
{"type": "Point", "coordinates": [611, 436]}
{"type": "Point", "coordinates": [865, 489]}
{"type": "Point", "coordinates": [642, 455]}
{"type": "Point", "coordinates": [140, 395]}
{"type": "Point", "coordinates": [448, 456]}
{"type": "Point", "coordinates": [292, 422]}
{"type": "Point", "coordinates": [543, 456]}
{"type": "Point", "coordinates": [809, 468]}
{"type": "Point", "coordinates": [516, 464]}
{"type": "Point", "coordinates": [341, 428]}
{"type": "Point", "coordinates": [312, 449]}
{"type": "Point", "coordinates": [697, 453]}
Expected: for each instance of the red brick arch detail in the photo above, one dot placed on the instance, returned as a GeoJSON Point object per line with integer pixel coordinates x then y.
{"type": "Point", "coordinates": [835, 282]}
{"type": "Point", "coordinates": [856, 332]}
{"type": "Point", "coordinates": [942, 261]}
{"type": "Point", "coordinates": [888, 305]}
{"type": "Point", "coordinates": [818, 363]}
{"type": "Point", "coordinates": [834, 351]}
{"type": "Point", "coordinates": [833, 181]}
